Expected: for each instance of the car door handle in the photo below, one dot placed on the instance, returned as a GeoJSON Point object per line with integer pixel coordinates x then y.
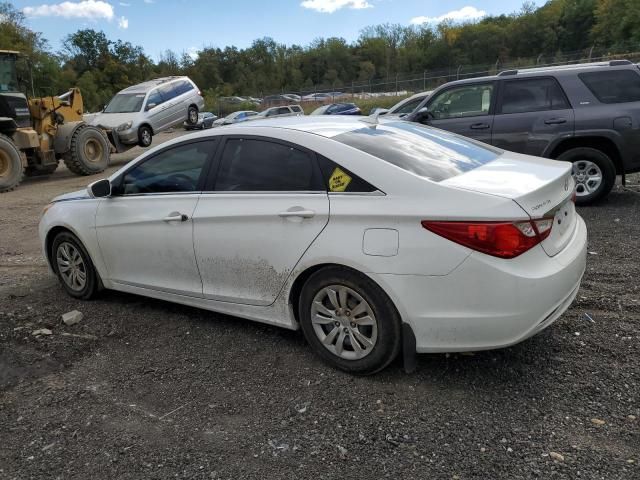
{"type": "Point", "coordinates": [555, 121]}
{"type": "Point", "coordinates": [176, 217]}
{"type": "Point", "coordinates": [479, 126]}
{"type": "Point", "coordinates": [297, 212]}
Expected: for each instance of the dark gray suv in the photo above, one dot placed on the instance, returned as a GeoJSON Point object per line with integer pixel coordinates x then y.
{"type": "Point", "coordinates": [587, 114]}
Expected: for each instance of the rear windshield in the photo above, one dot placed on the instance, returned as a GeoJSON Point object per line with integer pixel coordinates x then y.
{"type": "Point", "coordinates": [427, 152]}
{"type": "Point", "coordinates": [613, 86]}
{"type": "Point", "coordinates": [125, 103]}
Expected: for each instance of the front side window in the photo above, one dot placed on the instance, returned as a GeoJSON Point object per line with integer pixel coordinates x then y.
{"type": "Point", "coordinates": [125, 103]}
{"type": "Point", "coordinates": [154, 99]}
{"type": "Point", "coordinates": [249, 165]}
{"type": "Point", "coordinates": [463, 101]}
{"type": "Point", "coordinates": [424, 151]}
{"type": "Point", "coordinates": [534, 95]}
{"type": "Point", "coordinates": [613, 86]}
{"type": "Point", "coordinates": [177, 169]}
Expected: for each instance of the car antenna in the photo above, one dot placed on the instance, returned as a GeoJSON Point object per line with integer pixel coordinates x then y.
{"type": "Point", "coordinates": [372, 120]}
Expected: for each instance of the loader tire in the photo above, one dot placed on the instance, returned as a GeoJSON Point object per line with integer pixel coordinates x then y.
{"type": "Point", "coordinates": [33, 171]}
{"type": "Point", "coordinates": [10, 164]}
{"type": "Point", "coordinates": [88, 153]}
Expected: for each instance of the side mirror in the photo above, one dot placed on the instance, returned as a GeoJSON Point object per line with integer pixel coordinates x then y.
{"type": "Point", "coordinates": [150, 106]}
{"type": "Point", "coordinates": [100, 189]}
{"type": "Point", "coordinates": [422, 115]}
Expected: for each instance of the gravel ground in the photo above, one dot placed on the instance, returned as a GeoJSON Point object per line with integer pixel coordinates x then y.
{"type": "Point", "coordinates": [146, 389]}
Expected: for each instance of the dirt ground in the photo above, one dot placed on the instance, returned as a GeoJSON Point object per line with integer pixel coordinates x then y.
{"type": "Point", "coordinates": [146, 389]}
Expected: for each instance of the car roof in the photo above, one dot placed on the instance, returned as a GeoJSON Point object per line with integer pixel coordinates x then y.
{"type": "Point", "coordinates": [326, 126]}
{"type": "Point", "coordinates": [149, 84]}
{"type": "Point", "coordinates": [551, 70]}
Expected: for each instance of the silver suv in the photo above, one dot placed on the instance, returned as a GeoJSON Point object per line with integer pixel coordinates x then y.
{"type": "Point", "coordinates": [137, 113]}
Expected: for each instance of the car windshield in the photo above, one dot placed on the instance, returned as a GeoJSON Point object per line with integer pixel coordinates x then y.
{"type": "Point", "coordinates": [424, 151]}
{"type": "Point", "coordinates": [320, 110]}
{"type": "Point", "coordinates": [125, 103]}
{"type": "Point", "coordinates": [8, 77]}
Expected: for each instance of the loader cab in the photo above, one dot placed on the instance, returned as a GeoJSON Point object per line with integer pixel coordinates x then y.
{"type": "Point", "coordinates": [8, 71]}
{"type": "Point", "coordinates": [14, 109]}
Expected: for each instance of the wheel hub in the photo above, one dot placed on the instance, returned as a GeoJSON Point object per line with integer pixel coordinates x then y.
{"type": "Point", "coordinates": [344, 322]}
{"type": "Point", "coordinates": [5, 164]}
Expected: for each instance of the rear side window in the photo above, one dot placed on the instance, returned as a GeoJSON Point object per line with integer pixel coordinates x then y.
{"type": "Point", "coordinates": [249, 165]}
{"type": "Point", "coordinates": [338, 179]}
{"type": "Point", "coordinates": [534, 95]}
{"type": "Point", "coordinates": [613, 86]}
{"type": "Point", "coordinates": [296, 109]}
{"type": "Point", "coordinates": [427, 152]}
{"type": "Point", "coordinates": [182, 87]}
{"type": "Point", "coordinates": [168, 92]}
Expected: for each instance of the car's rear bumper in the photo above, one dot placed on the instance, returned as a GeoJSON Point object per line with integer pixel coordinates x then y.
{"type": "Point", "coordinates": [488, 302]}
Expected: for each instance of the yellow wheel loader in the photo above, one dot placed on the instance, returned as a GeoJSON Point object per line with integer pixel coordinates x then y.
{"type": "Point", "coordinates": [36, 133]}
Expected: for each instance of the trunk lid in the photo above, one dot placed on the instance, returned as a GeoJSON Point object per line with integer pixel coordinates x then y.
{"type": "Point", "coordinates": [541, 187]}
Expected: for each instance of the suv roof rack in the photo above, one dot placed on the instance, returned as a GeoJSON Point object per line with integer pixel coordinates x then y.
{"type": "Point", "coordinates": [551, 68]}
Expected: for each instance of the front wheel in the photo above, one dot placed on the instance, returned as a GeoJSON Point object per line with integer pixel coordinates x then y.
{"type": "Point", "coordinates": [593, 172]}
{"type": "Point", "coordinates": [349, 321]}
{"type": "Point", "coordinates": [10, 164]}
{"type": "Point", "coordinates": [145, 136]}
{"type": "Point", "coordinates": [74, 267]}
{"type": "Point", "coordinates": [88, 153]}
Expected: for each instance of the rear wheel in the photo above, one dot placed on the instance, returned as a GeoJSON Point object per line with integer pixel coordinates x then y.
{"type": "Point", "coordinates": [192, 115]}
{"type": "Point", "coordinates": [88, 153]}
{"type": "Point", "coordinates": [145, 136]}
{"type": "Point", "coordinates": [593, 172]}
{"type": "Point", "coordinates": [74, 266]}
{"type": "Point", "coordinates": [349, 321]}
{"type": "Point", "coordinates": [10, 164]}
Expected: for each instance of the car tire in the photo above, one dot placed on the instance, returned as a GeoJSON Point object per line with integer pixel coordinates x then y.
{"type": "Point", "coordinates": [145, 136]}
{"type": "Point", "coordinates": [363, 342]}
{"type": "Point", "coordinates": [11, 169]}
{"type": "Point", "coordinates": [80, 280]}
{"type": "Point", "coordinates": [593, 171]}
{"type": "Point", "coordinates": [192, 115]}
{"type": "Point", "coordinates": [89, 151]}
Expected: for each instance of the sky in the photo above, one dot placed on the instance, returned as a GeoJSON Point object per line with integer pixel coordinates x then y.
{"type": "Point", "coordinates": [190, 25]}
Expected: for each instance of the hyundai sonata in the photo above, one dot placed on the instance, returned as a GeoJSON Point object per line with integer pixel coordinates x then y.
{"type": "Point", "coordinates": [373, 237]}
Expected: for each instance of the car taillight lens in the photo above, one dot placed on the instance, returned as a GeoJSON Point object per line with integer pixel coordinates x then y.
{"type": "Point", "coordinates": [499, 239]}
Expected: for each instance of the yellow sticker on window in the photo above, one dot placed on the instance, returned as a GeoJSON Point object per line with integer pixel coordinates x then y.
{"type": "Point", "coordinates": [339, 180]}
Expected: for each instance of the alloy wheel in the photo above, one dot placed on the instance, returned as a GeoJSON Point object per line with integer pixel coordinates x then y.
{"type": "Point", "coordinates": [71, 266]}
{"type": "Point", "coordinates": [344, 322]}
{"type": "Point", "coordinates": [588, 177]}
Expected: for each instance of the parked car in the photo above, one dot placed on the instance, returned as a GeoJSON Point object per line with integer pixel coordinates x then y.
{"type": "Point", "coordinates": [139, 112]}
{"type": "Point", "coordinates": [205, 120]}
{"type": "Point", "coordinates": [235, 117]}
{"type": "Point", "coordinates": [282, 111]}
{"type": "Point", "coordinates": [587, 114]}
{"type": "Point", "coordinates": [335, 226]}
{"type": "Point", "coordinates": [338, 109]}
{"type": "Point", "coordinates": [293, 97]}
{"type": "Point", "coordinates": [316, 97]}
{"type": "Point", "coordinates": [403, 107]}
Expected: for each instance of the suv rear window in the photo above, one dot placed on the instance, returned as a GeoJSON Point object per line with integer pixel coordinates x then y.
{"type": "Point", "coordinates": [613, 86]}
{"type": "Point", "coordinates": [427, 152]}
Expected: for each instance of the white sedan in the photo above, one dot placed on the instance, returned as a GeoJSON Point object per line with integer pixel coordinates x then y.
{"type": "Point", "coordinates": [373, 237]}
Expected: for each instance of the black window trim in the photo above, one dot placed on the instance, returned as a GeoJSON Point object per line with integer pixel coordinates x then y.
{"type": "Point", "coordinates": [435, 94]}
{"type": "Point", "coordinates": [206, 169]}
{"type": "Point", "coordinates": [214, 170]}
{"type": "Point", "coordinates": [503, 82]}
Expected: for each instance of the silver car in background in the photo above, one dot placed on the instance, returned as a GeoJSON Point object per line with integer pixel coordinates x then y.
{"type": "Point", "coordinates": [137, 113]}
{"type": "Point", "coordinates": [282, 111]}
{"type": "Point", "coordinates": [235, 117]}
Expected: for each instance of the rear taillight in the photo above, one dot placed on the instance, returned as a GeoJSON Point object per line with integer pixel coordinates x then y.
{"type": "Point", "coordinates": [499, 239]}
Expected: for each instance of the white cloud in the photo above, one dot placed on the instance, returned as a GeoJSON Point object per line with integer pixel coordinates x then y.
{"type": "Point", "coordinates": [330, 6]}
{"type": "Point", "coordinates": [124, 4]}
{"type": "Point", "coordinates": [148, 1]}
{"type": "Point", "coordinates": [193, 52]}
{"type": "Point", "coordinates": [91, 9]}
{"type": "Point", "coordinates": [123, 23]}
{"type": "Point", "coordinates": [465, 14]}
